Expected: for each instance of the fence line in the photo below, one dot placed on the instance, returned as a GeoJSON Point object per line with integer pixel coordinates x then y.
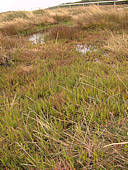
{"type": "Point", "coordinates": [88, 3]}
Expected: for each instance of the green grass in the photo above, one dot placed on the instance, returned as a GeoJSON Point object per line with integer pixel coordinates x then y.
{"type": "Point", "coordinates": [60, 109]}
{"type": "Point", "coordinates": [50, 111]}
{"type": "Point", "coordinates": [43, 27]}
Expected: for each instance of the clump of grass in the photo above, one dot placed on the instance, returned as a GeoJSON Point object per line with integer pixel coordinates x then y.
{"type": "Point", "coordinates": [45, 20]}
{"type": "Point", "coordinates": [8, 43]}
{"type": "Point", "coordinates": [13, 27]}
{"type": "Point", "coordinates": [39, 11]}
{"type": "Point", "coordinates": [118, 44]}
{"type": "Point", "coordinates": [61, 17]}
{"type": "Point", "coordinates": [13, 15]}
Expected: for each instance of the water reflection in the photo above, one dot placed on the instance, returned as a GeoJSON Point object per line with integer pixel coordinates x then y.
{"type": "Point", "coordinates": [84, 49]}
{"type": "Point", "coordinates": [37, 38]}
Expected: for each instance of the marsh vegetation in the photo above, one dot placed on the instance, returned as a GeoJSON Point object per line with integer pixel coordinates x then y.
{"type": "Point", "coordinates": [60, 108]}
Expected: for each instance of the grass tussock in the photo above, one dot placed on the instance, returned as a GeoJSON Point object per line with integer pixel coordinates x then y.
{"type": "Point", "coordinates": [14, 27]}
{"type": "Point", "coordinates": [60, 16]}
{"type": "Point", "coordinates": [61, 108]}
{"type": "Point", "coordinates": [13, 15]}
{"type": "Point", "coordinates": [8, 43]}
{"type": "Point", "coordinates": [118, 44]}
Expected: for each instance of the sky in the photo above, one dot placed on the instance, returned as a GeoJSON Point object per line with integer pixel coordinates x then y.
{"type": "Point", "coordinates": [8, 5]}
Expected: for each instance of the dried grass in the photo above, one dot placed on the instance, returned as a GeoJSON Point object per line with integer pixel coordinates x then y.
{"type": "Point", "coordinates": [96, 16]}
{"type": "Point", "coordinates": [92, 16]}
{"type": "Point", "coordinates": [63, 32]}
{"type": "Point", "coordinates": [7, 42]}
{"type": "Point", "coordinates": [118, 44]}
{"type": "Point", "coordinates": [13, 27]}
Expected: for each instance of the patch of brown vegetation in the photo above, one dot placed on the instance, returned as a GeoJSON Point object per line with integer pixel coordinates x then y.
{"type": "Point", "coordinates": [7, 42]}
{"type": "Point", "coordinates": [26, 69]}
{"type": "Point", "coordinates": [15, 26]}
{"type": "Point", "coordinates": [63, 32]}
{"type": "Point", "coordinates": [118, 44]}
{"type": "Point", "coordinates": [97, 17]}
{"type": "Point", "coordinates": [19, 24]}
{"type": "Point", "coordinates": [95, 38]}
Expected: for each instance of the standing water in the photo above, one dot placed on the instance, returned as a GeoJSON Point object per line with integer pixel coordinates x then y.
{"type": "Point", "coordinates": [84, 49]}
{"type": "Point", "coordinates": [37, 38]}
